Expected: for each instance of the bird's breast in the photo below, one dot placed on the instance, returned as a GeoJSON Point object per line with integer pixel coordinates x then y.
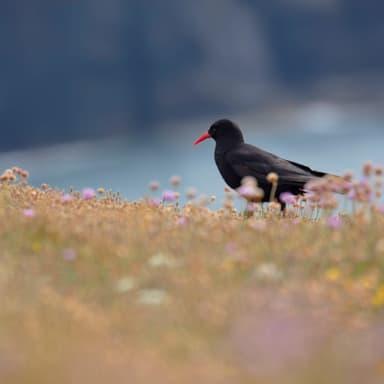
{"type": "Point", "coordinates": [226, 171]}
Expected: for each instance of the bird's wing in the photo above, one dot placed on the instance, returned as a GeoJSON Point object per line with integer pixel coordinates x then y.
{"type": "Point", "coordinates": [307, 169]}
{"type": "Point", "coordinates": [248, 160]}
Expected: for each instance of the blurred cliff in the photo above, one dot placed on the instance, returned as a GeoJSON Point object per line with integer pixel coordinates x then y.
{"type": "Point", "coordinates": [91, 68]}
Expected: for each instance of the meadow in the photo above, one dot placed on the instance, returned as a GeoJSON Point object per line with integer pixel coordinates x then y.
{"type": "Point", "coordinates": [97, 289]}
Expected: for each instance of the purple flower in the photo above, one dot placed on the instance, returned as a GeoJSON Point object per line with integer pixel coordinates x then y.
{"type": "Point", "coordinates": [69, 254]}
{"type": "Point", "coordinates": [287, 197]}
{"type": "Point", "coordinates": [334, 222]}
{"type": "Point", "coordinates": [88, 193]}
{"type": "Point", "coordinates": [29, 212]}
{"type": "Point", "coordinates": [66, 198]}
{"type": "Point", "coordinates": [169, 195]}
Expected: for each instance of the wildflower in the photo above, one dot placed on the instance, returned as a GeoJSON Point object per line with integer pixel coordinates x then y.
{"type": "Point", "coordinates": [378, 299]}
{"type": "Point", "coordinates": [332, 274]}
{"type": "Point", "coordinates": [191, 193]}
{"type": "Point", "coordinates": [334, 222]}
{"type": "Point", "coordinates": [182, 221]}
{"type": "Point", "coordinates": [379, 171]}
{"type": "Point", "coordinates": [154, 185]}
{"type": "Point", "coordinates": [88, 193]}
{"type": "Point", "coordinates": [247, 191]}
{"type": "Point", "coordinates": [380, 208]}
{"type": "Point", "coordinates": [169, 195]}
{"type": "Point", "coordinates": [161, 260]}
{"type": "Point", "coordinates": [125, 284]}
{"type": "Point", "coordinates": [231, 247]}
{"type": "Point", "coordinates": [29, 212]}
{"type": "Point", "coordinates": [213, 198]}
{"type": "Point", "coordinates": [249, 180]}
{"type": "Point", "coordinates": [287, 197]}
{"type": "Point", "coordinates": [268, 271]}
{"type": "Point", "coordinates": [7, 175]}
{"type": "Point", "coordinates": [351, 195]}
{"type": "Point", "coordinates": [152, 296]}
{"type": "Point", "coordinates": [253, 207]}
{"type": "Point", "coordinates": [44, 186]}
{"type": "Point", "coordinates": [257, 225]}
{"type": "Point", "coordinates": [368, 168]}
{"type": "Point", "coordinates": [348, 176]}
{"type": "Point", "coordinates": [175, 180]}
{"type": "Point", "coordinates": [100, 191]}
{"type": "Point", "coordinates": [66, 198]}
{"type": "Point", "coordinates": [272, 177]}
{"type": "Point", "coordinates": [250, 192]}
{"type": "Point", "coordinates": [154, 202]}
{"type": "Point", "coordinates": [69, 254]}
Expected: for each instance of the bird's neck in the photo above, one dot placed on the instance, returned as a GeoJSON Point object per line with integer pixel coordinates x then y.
{"type": "Point", "coordinates": [226, 145]}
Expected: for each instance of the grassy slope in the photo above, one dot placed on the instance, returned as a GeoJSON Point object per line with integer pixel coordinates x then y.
{"type": "Point", "coordinates": [103, 290]}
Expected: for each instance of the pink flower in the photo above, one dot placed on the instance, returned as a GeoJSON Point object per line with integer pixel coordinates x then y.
{"type": "Point", "coordinates": [88, 193]}
{"type": "Point", "coordinates": [247, 190]}
{"type": "Point", "coordinates": [154, 185]}
{"type": "Point", "coordinates": [169, 195]}
{"type": "Point", "coordinates": [381, 209]}
{"type": "Point", "coordinates": [154, 202]}
{"type": "Point", "coordinates": [66, 198]}
{"type": "Point", "coordinates": [335, 222]}
{"type": "Point", "coordinates": [287, 197]}
{"type": "Point", "coordinates": [252, 207]}
{"type": "Point", "coordinates": [231, 247]}
{"type": "Point", "coordinates": [29, 212]}
{"type": "Point", "coordinates": [69, 254]}
{"type": "Point", "coordinates": [182, 221]}
{"type": "Point", "coordinates": [351, 195]}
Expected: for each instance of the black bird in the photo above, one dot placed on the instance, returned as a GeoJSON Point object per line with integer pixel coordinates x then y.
{"type": "Point", "coordinates": [236, 160]}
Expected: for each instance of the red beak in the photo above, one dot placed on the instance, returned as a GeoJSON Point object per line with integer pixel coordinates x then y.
{"type": "Point", "coordinates": [203, 137]}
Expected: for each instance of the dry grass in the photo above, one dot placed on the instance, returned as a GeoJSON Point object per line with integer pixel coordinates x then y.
{"type": "Point", "coordinates": [98, 290]}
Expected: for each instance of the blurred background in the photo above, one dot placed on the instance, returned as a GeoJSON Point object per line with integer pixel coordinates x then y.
{"type": "Point", "coordinates": [113, 93]}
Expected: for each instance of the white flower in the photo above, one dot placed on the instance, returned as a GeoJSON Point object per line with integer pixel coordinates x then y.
{"type": "Point", "coordinates": [268, 271]}
{"type": "Point", "coordinates": [162, 260]}
{"type": "Point", "coordinates": [152, 296]}
{"type": "Point", "coordinates": [125, 284]}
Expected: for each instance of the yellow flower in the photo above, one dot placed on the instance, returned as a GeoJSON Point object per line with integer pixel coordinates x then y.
{"type": "Point", "coordinates": [378, 299]}
{"type": "Point", "coordinates": [332, 274]}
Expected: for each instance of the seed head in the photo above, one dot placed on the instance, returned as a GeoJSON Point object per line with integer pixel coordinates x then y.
{"type": "Point", "coordinates": [175, 180]}
{"type": "Point", "coordinates": [272, 177]}
{"type": "Point", "coordinates": [249, 180]}
{"type": "Point", "coordinates": [368, 168]}
{"type": "Point", "coordinates": [191, 193]}
{"type": "Point", "coordinates": [379, 171]}
{"type": "Point", "coordinates": [154, 185]}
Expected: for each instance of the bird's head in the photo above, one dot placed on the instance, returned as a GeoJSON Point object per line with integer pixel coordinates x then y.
{"type": "Point", "coordinates": [223, 131]}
